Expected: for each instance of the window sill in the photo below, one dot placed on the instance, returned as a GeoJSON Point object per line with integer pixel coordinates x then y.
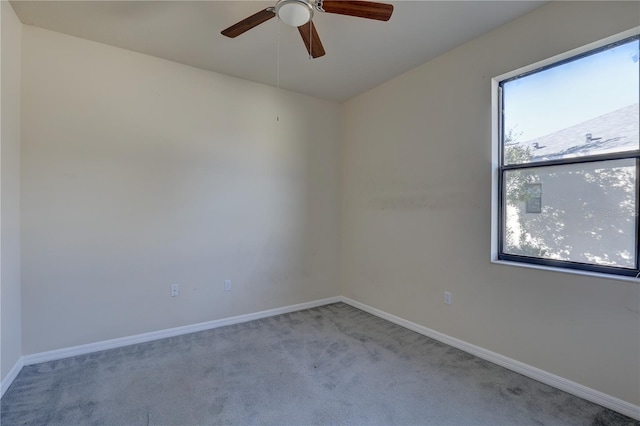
{"type": "Point", "coordinates": [567, 271]}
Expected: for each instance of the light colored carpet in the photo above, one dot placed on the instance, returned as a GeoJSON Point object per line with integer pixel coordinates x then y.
{"type": "Point", "coordinates": [329, 365]}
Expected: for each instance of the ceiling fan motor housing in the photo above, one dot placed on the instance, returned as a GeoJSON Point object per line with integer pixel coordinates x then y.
{"type": "Point", "coordinates": [294, 12]}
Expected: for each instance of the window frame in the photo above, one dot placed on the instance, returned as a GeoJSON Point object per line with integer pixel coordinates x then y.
{"type": "Point", "coordinates": [499, 168]}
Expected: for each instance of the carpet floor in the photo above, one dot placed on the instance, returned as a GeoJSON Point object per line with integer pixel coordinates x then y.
{"type": "Point", "coordinates": [333, 365]}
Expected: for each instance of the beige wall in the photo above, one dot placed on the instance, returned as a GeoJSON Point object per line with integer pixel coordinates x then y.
{"type": "Point", "coordinates": [138, 173]}
{"type": "Point", "coordinates": [10, 306]}
{"type": "Point", "coordinates": [417, 211]}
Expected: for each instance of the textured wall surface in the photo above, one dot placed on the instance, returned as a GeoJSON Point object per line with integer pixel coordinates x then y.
{"type": "Point", "coordinates": [417, 211]}
{"type": "Point", "coordinates": [139, 173]}
{"type": "Point", "coordinates": [10, 309]}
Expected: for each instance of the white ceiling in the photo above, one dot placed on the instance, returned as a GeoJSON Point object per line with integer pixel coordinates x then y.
{"type": "Point", "coordinates": [361, 53]}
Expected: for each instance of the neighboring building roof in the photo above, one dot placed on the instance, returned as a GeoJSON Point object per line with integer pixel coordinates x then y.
{"type": "Point", "coordinates": [600, 135]}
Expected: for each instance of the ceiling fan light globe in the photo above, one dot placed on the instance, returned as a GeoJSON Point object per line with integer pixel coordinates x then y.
{"type": "Point", "coordinates": [294, 12]}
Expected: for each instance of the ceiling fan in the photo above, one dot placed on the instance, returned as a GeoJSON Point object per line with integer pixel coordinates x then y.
{"type": "Point", "coordinates": [299, 13]}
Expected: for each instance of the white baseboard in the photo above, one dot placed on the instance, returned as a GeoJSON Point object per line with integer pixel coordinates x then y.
{"type": "Point", "coordinates": [558, 382]}
{"type": "Point", "coordinates": [11, 376]}
{"type": "Point", "coordinates": [171, 332]}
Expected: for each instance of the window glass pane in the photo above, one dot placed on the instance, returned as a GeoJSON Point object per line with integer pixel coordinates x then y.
{"type": "Point", "coordinates": [583, 107]}
{"type": "Point", "coordinates": [581, 212]}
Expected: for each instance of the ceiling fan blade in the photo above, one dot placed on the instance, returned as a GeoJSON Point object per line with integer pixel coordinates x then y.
{"type": "Point", "coordinates": [246, 24]}
{"type": "Point", "coordinates": [361, 9]}
{"type": "Point", "coordinates": [311, 39]}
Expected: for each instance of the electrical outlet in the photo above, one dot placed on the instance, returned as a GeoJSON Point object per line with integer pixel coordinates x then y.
{"type": "Point", "coordinates": [447, 297]}
{"type": "Point", "coordinates": [175, 290]}
{"type": "Point", "coordinates": [227, 285]}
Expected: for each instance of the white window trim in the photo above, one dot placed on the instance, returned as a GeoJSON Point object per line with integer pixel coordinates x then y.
{"type": "Point", "coordinates": [495, 156]}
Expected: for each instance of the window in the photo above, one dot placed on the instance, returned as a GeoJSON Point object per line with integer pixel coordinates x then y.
{"type": "Point", "coordinates": [569, 162]}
